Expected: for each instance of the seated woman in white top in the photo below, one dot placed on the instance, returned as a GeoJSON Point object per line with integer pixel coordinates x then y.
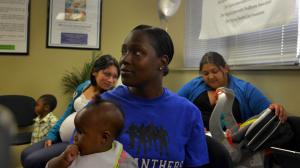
{"type": "Point", "coordinates": [67, 127]}
{"type": "Point", "coordinates": [103, 77]}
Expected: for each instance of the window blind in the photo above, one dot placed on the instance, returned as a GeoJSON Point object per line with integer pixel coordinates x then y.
{"type": "Point", "coordinates": [273, 46]}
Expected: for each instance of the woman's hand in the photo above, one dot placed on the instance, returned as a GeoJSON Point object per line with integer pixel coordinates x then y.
{"type": "Point", "coordinates": [279, 111]}
{"type": "Point", "coordinates": [48, 143]}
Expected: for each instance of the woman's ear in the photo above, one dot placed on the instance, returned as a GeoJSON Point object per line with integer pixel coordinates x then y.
{"type": "Point", "coordinates": [163, 67]}
{"type": "Point", "coordinates": [226, 69]}
{"type": "Point", "coordinates": [164, 61]}
{"type": "Point", "coordinates": [94, 73]}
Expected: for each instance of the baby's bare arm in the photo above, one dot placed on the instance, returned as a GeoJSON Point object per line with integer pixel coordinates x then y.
{"type": "Point", "coordinates": [65, 159]}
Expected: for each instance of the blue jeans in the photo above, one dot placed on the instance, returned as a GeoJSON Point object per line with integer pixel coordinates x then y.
{"type": "Point", "coordinates": [36, 156]}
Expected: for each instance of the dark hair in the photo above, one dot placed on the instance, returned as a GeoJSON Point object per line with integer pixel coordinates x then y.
{"type": "Point", "coordinates": [49, 100]}
{"type": "Point", "coordinates": [212, 58]}
{"type": "Point", "coordinates": [97, 100]}
{"type": "Point", "coordinates": [101, 63]}
{"type": "Point", "coordinates": [160, 41]}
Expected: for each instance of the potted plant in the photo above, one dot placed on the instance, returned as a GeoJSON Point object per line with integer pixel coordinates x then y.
{"type": "Point", "coordinates": [71, 79]}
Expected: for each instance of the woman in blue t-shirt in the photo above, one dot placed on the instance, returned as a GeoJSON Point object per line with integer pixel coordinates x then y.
{"type": "Point", "coordinates": [161, 129]}
{"type": "Point", "coordinates": [248, 102]}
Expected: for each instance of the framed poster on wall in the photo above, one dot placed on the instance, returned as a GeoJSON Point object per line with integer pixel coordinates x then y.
{"type": "Point", "coordinates": [14, 26]}
{"type": "Point", "coordinates": [74, 24]}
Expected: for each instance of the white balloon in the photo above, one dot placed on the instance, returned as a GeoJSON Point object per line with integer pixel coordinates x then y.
{"type": "Point", "coordinates": [167, 8]}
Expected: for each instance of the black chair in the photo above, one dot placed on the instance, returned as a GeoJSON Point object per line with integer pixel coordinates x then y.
{"type": "Point", "coordinates": [218, 155]}
{"type": "Point", "coordinates": [295, 124]}
{"type": "Point", "coordinates": [22, 108]}
{"type": "Point", "coordinates": [285, 159]}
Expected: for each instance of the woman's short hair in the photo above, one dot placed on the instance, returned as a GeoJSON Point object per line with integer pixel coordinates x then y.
{"type": "Point", "coordinates": [212, 58]}
{"type": "Point", "coordinates": [160, 40]}
{"type": "Point", "coordinates": [101, 63]}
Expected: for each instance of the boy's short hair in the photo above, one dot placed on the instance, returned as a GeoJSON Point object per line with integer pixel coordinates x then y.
{"type": "Point", "coordinates": [49, 100]}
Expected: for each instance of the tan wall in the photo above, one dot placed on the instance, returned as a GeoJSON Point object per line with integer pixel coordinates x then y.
{"type": "Point", "coordinates": [41, 71]}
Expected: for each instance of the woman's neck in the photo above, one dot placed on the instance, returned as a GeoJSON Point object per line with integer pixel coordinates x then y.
{"type": "Point", "coordinates": [98, 90]}
{"type": "Point", "coordinates": [90, 92]}
{"type": "Point", "coordinates": [147, 91]}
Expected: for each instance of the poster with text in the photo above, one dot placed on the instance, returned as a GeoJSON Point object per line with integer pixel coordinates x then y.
{"type": "Point", "coordinates": [74, 24]}
{"type": "Point", "coordinates": [14, 25]}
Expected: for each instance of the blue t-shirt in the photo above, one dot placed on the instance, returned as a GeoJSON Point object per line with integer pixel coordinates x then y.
{"type": "Point", "coordinates": [166, 131]}
{"type": "Point", "coordinates": [250, 99]}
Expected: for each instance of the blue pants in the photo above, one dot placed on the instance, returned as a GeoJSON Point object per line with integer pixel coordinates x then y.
{"type": "Point", "coordinates": [36, 156]}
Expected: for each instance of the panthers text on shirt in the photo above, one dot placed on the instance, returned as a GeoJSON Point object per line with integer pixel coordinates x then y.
{"type": "Point", "coordinates": [153, 163]}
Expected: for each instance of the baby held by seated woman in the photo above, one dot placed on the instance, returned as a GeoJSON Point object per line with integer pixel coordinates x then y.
{"type": "Point", "coordinates": [94, 143]}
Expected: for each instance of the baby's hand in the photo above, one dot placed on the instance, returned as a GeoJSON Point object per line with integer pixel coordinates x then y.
{"type": "Point", "coordinates": [65, 159]}
{"type": "Point", "coordinates": [70, 153]}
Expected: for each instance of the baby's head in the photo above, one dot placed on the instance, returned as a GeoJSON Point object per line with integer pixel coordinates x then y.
{"type": "Point", "coordinates": [45, 104]}
{"type": "Point", "coordinates": [97, 126]}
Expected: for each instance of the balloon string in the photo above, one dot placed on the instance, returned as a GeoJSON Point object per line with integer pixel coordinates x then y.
{"type": "Point", "coordinates": [164, 24]}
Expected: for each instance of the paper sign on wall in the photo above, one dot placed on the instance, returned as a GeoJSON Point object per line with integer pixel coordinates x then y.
{"type": "Point", "coordinates": [222, 18]}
